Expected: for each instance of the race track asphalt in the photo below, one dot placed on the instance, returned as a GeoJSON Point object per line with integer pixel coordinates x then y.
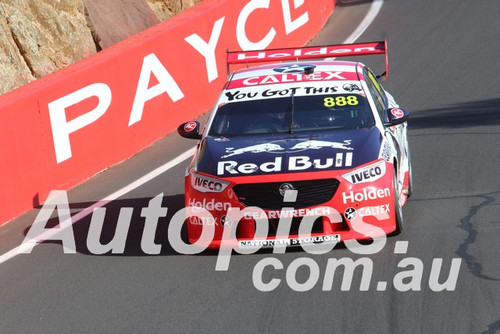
{"type": "Point", "coordinates": [444, 68]}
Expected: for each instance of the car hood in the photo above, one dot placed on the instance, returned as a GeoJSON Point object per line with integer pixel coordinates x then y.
{"type": "Point", "coordinates": [288, 153]}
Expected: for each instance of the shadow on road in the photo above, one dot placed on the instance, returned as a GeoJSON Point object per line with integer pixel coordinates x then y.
{"type": "Point", "coordinates": [109, 217]}
{"type": "Point", "coordinates": [135, 230]}
{"type": "Point", "coordinates": [343, 3]}
{"type": "Point", "coordinates": [462, 115]}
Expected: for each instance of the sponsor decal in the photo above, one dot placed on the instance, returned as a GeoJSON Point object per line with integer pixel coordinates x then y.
{"type": "Point", "coordinates": [207, 184]}
{"type": "Point", "coordinates": [397, 113]}
{"type": "Point", "coordinates": [297, 163]}
{"type": "Point", "coordinates": [294, 68]}
{"type": "Point", "coordinates": [351, 87]}
{"type": "Point", "coordinates": [238, 95]}
{"type": "Point", "coordinates": [203, 221]}
{"type": "Point", "coordinates": [318, 144]}
{"type": "Point", "coordinates": [275, 147]}
{"type": "Point", "coordinates": [314, 212]}
{"type": "Point", "coordinates": [369, 173]}
{"type": "Point", "coordinates": [365, 194]}
{"type": "Point", "coordinates": [334, 238]}
{"type": "Point", "coordinates": [374, 210]}
{"type": "Point", "coordinates": [350, 213]}
{"type": "Point", "coordinates": [289, 77]}
{"type": "Point", "coordinates": [340, 101]}
{"type": "Point", "coordinates": [260, 148]}
{"type": "Point", "coordinates": [385, 152]}
{"type": "Point", "coordinates": [318, 52]}
{"type": "Point", "coordinates": [210, 205]}
{"type": "Point", "coordinates": [226, 221]}
{"type": "Point", "coordinates": [190, 126]}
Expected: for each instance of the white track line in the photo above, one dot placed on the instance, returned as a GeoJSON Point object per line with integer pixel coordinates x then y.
{"type": "Point", "coordinates": [117, 194]}
{"type": "Point", "coordinates": [370, 16]}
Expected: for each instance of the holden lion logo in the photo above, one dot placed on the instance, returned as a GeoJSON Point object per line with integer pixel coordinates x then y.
{"type": "Point", "coordinates": [284, 188]}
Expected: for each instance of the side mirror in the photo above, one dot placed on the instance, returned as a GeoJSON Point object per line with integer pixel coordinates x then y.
{"type": "Point", "coordinates": [396, 116]}
{"type": "Point", "coordinates": [190, 130]}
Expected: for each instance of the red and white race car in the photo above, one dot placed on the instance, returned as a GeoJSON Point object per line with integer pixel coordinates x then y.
{"type": "Point", "coordinates": [307, 151]}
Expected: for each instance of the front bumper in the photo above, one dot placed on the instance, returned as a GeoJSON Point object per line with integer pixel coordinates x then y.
{"type": "Point", "coordinates": [353, 211]}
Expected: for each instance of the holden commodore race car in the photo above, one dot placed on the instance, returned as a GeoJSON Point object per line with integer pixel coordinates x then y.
{"type": "Point", "coordinates": [316, 142]}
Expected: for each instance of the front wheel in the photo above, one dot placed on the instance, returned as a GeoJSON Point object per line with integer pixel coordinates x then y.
{"type": "Point", "coordinates": [397, 207]}
{"type": "Point", "coordinates": [410, 173]}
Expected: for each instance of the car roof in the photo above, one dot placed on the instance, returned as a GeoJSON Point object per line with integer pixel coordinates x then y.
{"type": "Point", "coordinates": [324, 64]}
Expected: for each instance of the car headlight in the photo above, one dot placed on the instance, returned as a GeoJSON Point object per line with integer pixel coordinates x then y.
{"type": "Point", "coordinates": [368, 173]}
{"type": "Point", "coordinates": [206, 184]}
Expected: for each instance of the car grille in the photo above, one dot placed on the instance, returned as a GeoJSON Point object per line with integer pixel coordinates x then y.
{"type": "Point", "coordinates": [267, 196]}
{"type": "Point", "coordinates": [317, 226]}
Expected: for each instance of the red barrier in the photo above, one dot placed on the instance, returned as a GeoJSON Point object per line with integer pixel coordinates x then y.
{"type": "Point", "coordinates": [62, 129]}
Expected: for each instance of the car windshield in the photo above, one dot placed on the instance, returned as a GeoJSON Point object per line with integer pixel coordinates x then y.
{"type": "Point", "coordinates": [292, 114]}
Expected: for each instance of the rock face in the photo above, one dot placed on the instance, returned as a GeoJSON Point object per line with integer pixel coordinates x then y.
{"type": "Point", "coordinates": [165, 9]}
{"type": "Point", "coordinates": [13, 69]}
{"type": "Point", "coordinates": [115, 23]}
{"type": "Point", "coordinates": [38, 37]}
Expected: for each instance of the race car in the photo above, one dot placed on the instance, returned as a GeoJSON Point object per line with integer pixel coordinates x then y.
{"type": "Point", "coordinates": [306, 140]}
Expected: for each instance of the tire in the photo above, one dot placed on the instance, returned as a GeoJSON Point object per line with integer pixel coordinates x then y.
{"type": "Point", "coordinates": [398, 210]}
{"type": "Point", "coordinates": [185, 233]}
{"type": "Point", "coordinates": [410, 172]}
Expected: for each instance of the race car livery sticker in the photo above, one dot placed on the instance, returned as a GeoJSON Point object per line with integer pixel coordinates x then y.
{"type": "Point", "coordinates": [260, 148]}
{"type": "Point", "coordinates": [210, 205]}
{"type": "Point", "coordinates": [207, 184]}
{"type": "Point", "coordinates": [350, 87]}
{"type": "Point", "coordinates": [190, 126]}
{"type": "Point", "coordinates": [204, 221]}
{"type": "Point", "coordinates": [292, 163]}
{"type": "Point", "coordinates": [342, 50]}
{"type": "Point", "coordinates": [274, 147]}
{"type": "Point", "coordinates": [289, 77]}
{"type": "Point", "coordinates": [350, 213]}
{"type": "Point", "coordinates": [318, 144]}
{"type": "Point", "coordinates": [369, 173]}
{"type": "Point", "coordinates": [274, 214]}
{"type": "Point", "coordinates": [365, 194]}
{"type": "Point", "coordinates": [374, 210]}
{"type": "Point", "coordinates": [294, 68]}
{"type": "Point", "coordinates": [340, 101]}
{"type": "Point", "coordinates": [385, 151]}
{"type": "Point", "coordinates": [313, 88]}
{"type": "Point", "coordinates": [397, 113]}
{"type": "Point", "coordinates": [321, 239]}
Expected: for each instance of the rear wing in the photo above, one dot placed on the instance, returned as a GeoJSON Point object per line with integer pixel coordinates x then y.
{"type": "Point", "coordinates": [311, 52]}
